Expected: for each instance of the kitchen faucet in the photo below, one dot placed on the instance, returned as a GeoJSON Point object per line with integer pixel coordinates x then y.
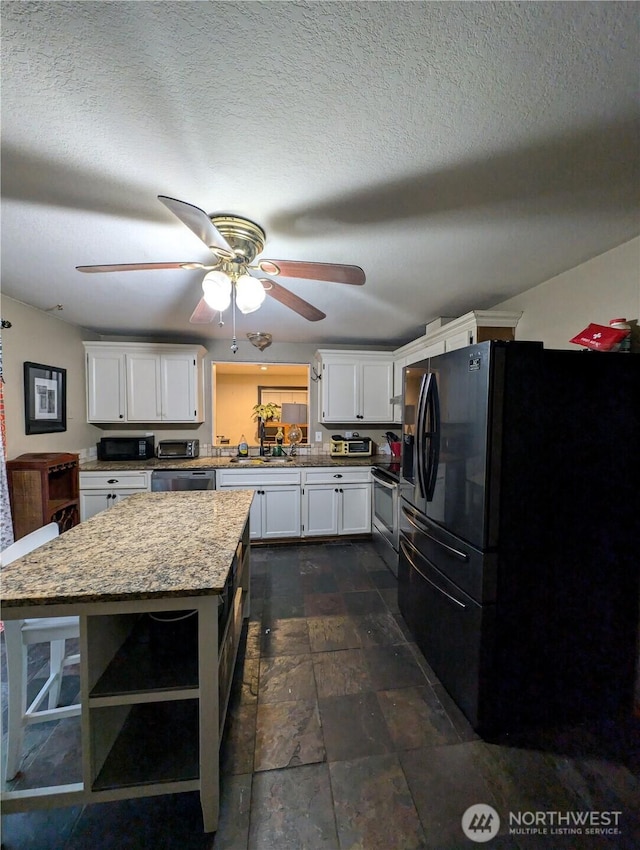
{"type": "Point", "coordinates": [261, 434]}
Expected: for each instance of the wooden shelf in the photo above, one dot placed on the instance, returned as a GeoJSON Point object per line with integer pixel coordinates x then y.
{"type": "Point", "coordinates": [158, 742]}
{"type": "Point", "coordinates": [150, 661]}
{"type": "Point", "coordinates": [43, 488]}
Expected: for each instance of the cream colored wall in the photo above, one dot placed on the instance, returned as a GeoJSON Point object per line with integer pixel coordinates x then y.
{"type": "Point", "coordinates": [39, 337]}
{"type": "Point", "coordinates": [235, 398]}
{"type": "Point", "coordinates": [606, 287]}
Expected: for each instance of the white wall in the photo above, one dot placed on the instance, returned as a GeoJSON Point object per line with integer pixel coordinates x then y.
{"type": "Point", "coordinates": [40, 337]}
{"type": "Point", "coordinates": [606, 287]}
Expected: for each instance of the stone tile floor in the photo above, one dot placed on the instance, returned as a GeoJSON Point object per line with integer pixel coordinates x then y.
{"type": "Point", "coordinates": [340, 737]}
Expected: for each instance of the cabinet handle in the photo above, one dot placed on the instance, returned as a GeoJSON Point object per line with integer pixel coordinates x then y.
{"type": "Point", "coordinates": [109, 496]}
{"type": "Point", "coordinates": [122, 416]}
{"type": "Point", "coordinates": [337, 475]}
{"type": "Point", "coordinates": [112, 480]}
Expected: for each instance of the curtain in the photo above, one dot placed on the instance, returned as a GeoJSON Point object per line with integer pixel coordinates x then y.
{"type": "Point", "coordinates": [6, 528]}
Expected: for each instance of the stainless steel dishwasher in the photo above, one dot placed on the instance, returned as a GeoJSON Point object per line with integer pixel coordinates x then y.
{"type": "Point", "coordinates": [163, 480]}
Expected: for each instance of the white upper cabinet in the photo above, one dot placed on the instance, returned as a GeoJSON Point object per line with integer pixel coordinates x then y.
{"type": "Point", "coordinates": [448, 335]}
{"type": "Point", "coordinates": [355, 386]}
{"type": "Point", "coordinates": [144, 382]}
{"type": "Point", "coordinates": [106, 387]}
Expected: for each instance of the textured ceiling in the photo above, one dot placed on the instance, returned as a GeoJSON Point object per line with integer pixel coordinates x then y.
{"type": "Point", "coordinates": [459, 152]}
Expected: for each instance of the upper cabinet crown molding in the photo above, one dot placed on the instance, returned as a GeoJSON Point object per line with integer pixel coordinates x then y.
{"type": "Point", "coordinates": [355, 386]}
{"type": "Point", "coordinates": [144, 382]}
{"type": "Point", "coordinates": [482, 324]}
{"type": "Point", "coordinates": [475, 326]}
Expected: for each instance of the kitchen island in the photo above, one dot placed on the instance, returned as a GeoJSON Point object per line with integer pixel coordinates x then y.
{"type": "Point", "coordinates": [153, 692]}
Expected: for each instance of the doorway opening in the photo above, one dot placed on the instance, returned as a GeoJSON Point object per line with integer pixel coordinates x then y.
{"type": "Point", "coordinates": [236, 388]}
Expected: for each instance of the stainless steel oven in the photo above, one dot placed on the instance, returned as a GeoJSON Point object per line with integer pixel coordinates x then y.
{"type": "Point", "coordinates": [385, 515]}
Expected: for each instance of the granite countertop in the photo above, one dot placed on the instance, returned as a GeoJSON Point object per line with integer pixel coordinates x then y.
{"type": "Point", "coordinates": [150, 545]}
{"type": "Point", "coordinates": [300, 461]}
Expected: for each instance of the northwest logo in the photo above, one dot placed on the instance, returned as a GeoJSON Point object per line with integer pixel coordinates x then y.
{"type": "Point", "coordinates": [480, 823]}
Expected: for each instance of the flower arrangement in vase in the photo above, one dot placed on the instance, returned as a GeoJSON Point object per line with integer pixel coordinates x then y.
{"type": "Point", "coordinates": [268, 411]}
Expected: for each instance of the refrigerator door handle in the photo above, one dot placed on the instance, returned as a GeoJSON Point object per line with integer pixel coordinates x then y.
{"type": "Point", "coordinates": [413, 564]}
{"type": "Point", "coordinates": [419, 446]}
{"type": "Point", "coordinates": [432, 409]}
{"type": "Point", "coordinates": [421, 528]}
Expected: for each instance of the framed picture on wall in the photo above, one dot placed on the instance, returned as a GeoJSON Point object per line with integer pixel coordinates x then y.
{"type": "Point", "coordinates": [45, 399]}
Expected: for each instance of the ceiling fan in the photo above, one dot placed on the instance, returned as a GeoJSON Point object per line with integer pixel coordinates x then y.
{"type": "Point", "coordinates": [232, 277]}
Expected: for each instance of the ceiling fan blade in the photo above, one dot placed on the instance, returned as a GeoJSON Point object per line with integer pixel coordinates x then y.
{"type": "Point", "coordinates": [203, 314]}
{"type": "Point", "coordinates": [135, 267]}
{"type": "Point", "coordinates": [199, 223]}
{"type": "Point", "coordinates": [314, 271]}
{"type": "Point", "coordinates": [294, 302]}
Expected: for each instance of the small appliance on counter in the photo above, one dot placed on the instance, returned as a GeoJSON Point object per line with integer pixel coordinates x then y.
{"type": "Point", "coordinates": [356, 446]}
{"type": "Point", "coordinates": [184, 449]}
{"type": "Point", "coordinates": [126, 448]}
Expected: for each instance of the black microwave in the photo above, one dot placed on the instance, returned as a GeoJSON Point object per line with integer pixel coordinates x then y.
{"type": "Point", "coordinates": [126, 448]}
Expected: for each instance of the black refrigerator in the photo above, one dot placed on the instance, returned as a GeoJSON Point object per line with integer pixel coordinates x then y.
{"type": "Point", "coordinates": [519, 526]}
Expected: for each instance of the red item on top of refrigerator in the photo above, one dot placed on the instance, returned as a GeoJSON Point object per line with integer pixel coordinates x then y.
{"type": "Point", "coordinates": [599, 337]}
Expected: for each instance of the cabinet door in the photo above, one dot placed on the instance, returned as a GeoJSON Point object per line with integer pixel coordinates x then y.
{"type": "Point", "coordinates": [280, 511]}
{"type": "Point", "coordinates": [105, 386]}
{"type": "Point", "coordinates": [320, 509]}
{"type": "Point", "coordinates": [94, 501]}
{"type": "Point", "coordinates": [355, 509]}
{"type": "Point", "coordinates": [376, 389]}
{"type": "Point", "coordinates": [459, 340]}
{"type": "Point", "coordinates": [178, 378]}
{"type": "Point", "coordinates": [398, 366]}
{"type": "Point", "coordinates": [143, 388]}
{"type": "Point", "coordinates": [340, 386]}
{"type": "Point", "coordinates": [255, 513]}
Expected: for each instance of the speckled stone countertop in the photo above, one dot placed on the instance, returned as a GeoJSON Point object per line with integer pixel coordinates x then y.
{"type": "Point", "coordinates": [150, 545]}
{"type": "Point", "coordinates": [226, 463]}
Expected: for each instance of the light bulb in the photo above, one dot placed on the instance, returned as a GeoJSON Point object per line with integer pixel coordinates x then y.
{"type": "Point", "coordinates": [216, 287]}
{"type": "Point", "coordinates": [249, 293]}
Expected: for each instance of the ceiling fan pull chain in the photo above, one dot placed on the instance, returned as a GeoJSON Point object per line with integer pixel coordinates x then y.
{"type": "Point", "coordinates": [234, 344]}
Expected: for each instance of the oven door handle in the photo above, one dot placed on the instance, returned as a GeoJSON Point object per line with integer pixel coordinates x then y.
{"type": "Point", "coordinates": [407, 555]}
{"type": "Point", "coordinates": [462, 556]}
{"type": "Point", "coordinates": [390, 485]}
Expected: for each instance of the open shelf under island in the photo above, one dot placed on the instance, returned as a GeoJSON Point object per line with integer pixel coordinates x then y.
{"type": "Point", "coordinates": [161, 585]}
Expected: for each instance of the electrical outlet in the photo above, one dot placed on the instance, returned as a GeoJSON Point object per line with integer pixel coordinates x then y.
{"type": "Point", "coordinates": [318, 436]}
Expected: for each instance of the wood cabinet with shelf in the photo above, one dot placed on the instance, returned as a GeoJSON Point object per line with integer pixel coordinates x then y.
{"type": "Point", "coordinates": [144, 382]}
{"type": "Point", "coordinates": [43, 488]}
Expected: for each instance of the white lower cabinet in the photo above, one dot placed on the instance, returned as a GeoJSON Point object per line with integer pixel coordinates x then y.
{"type": "Point", "coordinates": [336, 502]}
{"type": "Point", "coordinates": [275, 510]}
{"type": "Point", "coordinates": [318, 502]}
{"type": "Point", "coordinates": [102, 490]}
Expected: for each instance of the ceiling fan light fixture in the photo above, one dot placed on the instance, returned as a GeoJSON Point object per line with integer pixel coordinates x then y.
{"type": "Point", "coordinates": [261, 340]}
{"type": "Point", "coordinates": [216, 287]}
{"type": "Point", "coordinates": [249, 293]}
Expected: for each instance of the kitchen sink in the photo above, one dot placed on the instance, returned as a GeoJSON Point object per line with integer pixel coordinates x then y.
{"type": "Point", "coordinates": [258, 461]}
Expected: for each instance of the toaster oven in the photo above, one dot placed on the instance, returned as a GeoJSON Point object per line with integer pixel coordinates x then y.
{"type": "Point", "coordinates": [178, 448]}
{"type": "Point", "coordinates": [356, 446]}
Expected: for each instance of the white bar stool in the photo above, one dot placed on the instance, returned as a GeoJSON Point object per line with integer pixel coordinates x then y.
{"type": "Point", "coordinates": [20, 634]}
